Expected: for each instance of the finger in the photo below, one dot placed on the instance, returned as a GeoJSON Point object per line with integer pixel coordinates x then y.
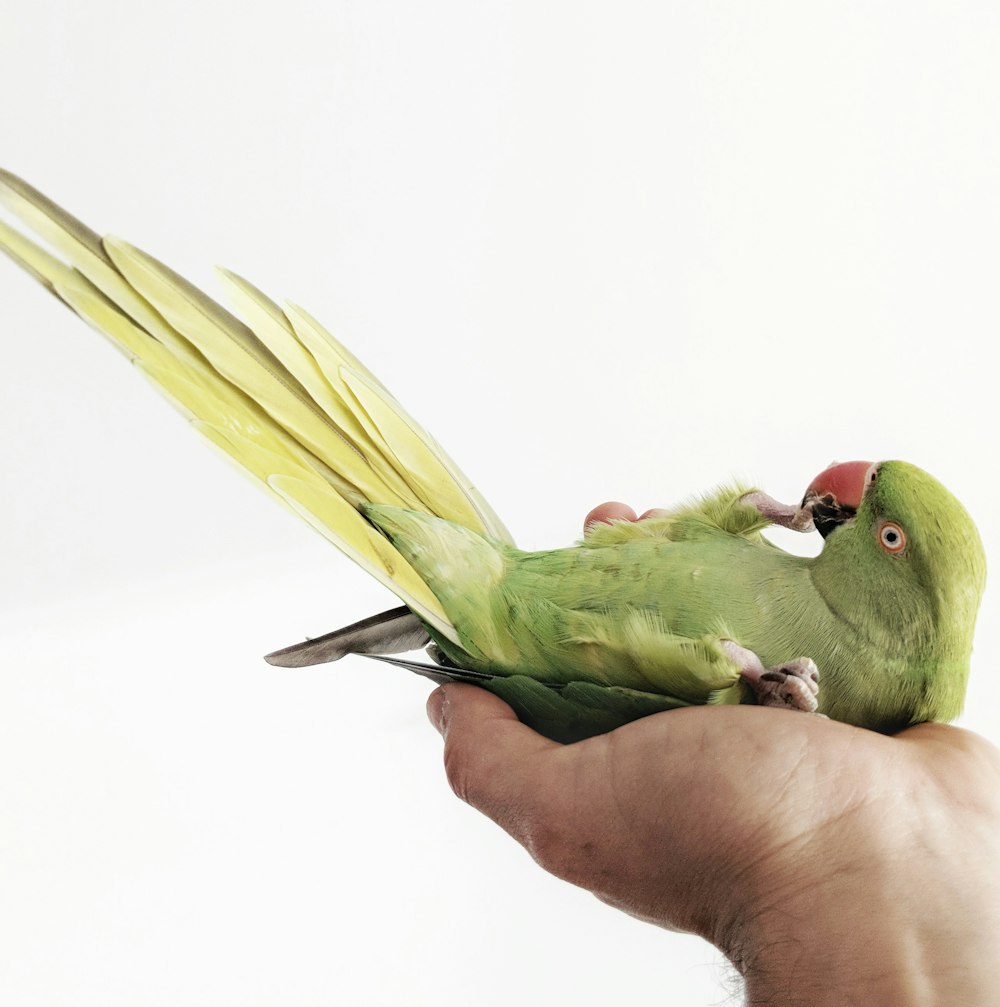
{"type": "Point", "coordinates": [654, 512]}
{"type": "Point", "coordinates": [605, 513]}
{"type": "Point", "coordinates": [493, 761]}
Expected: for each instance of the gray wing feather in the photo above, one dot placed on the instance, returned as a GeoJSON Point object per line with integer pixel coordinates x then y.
{"type": "Point", "coordinates": [391, 632]}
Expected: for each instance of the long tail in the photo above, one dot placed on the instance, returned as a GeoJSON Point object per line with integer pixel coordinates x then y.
{"type": "Point", "coordinates": [275, 391]}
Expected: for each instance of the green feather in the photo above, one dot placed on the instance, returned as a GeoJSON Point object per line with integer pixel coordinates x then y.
{"type": "Point", "coordinates": [580, 709]}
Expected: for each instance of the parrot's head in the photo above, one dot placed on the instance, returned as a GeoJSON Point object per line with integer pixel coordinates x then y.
{"type": "Point", "coordinates": [901, 551]}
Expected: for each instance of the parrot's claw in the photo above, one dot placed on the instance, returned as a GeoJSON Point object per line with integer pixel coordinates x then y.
{"type": "Point", "coordinates": [796, 518]}
{"type": "Point", "coordinates": [793, 685]}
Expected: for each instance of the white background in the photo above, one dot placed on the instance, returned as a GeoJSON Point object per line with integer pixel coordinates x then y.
{"type": "Point", "coordinates": [603, 251]}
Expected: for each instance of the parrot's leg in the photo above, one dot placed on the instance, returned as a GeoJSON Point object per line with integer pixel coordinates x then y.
{"type": "Point", "coordinates": [794, 684]}
{"type": "Point", "coordinates": [796, 518]}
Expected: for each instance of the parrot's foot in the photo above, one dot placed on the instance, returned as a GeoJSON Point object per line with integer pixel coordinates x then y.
{"type": "Point", "coordinates": [796, 518]}
{"type": "Point", "coordinates": [793, 685]}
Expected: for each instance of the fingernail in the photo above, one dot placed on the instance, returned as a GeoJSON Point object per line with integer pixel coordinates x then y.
{"type": "Point", "coordinates": [437, 708]}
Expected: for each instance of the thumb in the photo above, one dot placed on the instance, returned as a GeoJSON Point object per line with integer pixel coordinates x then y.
{"type": "Point", "coordinates": [493, 761]}
{"type": "Point", "coordinates": [555, 800]}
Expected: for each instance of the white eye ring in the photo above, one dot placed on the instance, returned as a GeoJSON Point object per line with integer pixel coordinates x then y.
{"type": "Point", "coordinates": [892, 538]}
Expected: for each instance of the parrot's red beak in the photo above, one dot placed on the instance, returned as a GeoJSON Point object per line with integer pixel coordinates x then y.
{"type": "Point", "coordinates": [835, 495]}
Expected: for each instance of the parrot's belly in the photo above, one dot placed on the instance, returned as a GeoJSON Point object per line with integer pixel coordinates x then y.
{"type": "Point", "coordinates": [620, 616]}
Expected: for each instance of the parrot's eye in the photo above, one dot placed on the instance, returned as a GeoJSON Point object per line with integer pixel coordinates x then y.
{"type": "Point", "coordinates": [891, 537]}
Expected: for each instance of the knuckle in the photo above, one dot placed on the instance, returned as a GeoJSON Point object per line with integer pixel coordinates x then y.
{"type": "Point", "coordinates": [548, 846]}
{"type": "Point", "coordinates": [559, 849]}
{"type": "Point", "coordinates": [457, 771]}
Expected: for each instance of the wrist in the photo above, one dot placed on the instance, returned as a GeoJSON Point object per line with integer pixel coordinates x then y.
{"type": "Point", "coordinates": [867, 934]}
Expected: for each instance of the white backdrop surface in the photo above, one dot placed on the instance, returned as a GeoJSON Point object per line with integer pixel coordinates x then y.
{"type": "Point", "coordinates": [603, 251]}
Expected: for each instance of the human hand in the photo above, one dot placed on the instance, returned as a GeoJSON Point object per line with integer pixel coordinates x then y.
{"type": "Point", "coordinates": [827, 862]}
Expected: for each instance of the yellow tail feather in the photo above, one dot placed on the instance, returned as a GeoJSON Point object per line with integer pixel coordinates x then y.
{"type": "Point", "coordinates": [276, 392]}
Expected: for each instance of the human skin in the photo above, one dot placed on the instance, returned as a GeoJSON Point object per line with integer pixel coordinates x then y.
{"type": "Point", "coordinates": [830, 864]}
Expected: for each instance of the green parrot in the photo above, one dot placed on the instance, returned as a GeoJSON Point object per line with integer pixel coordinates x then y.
{"type": "Point", "coordinates": [692, 607]}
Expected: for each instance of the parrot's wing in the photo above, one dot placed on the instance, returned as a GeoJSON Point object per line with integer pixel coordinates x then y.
{"type": "Point", "coordinates": [565, 712]}
{"type": "Point", "coordinates": [389, 632]}
{"type": "Point", "coordinates": [577, 710]}
{"type": "Point", "coordinates": [276, 392]}
{"type": "Point", "coordinates": [440, 673]}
